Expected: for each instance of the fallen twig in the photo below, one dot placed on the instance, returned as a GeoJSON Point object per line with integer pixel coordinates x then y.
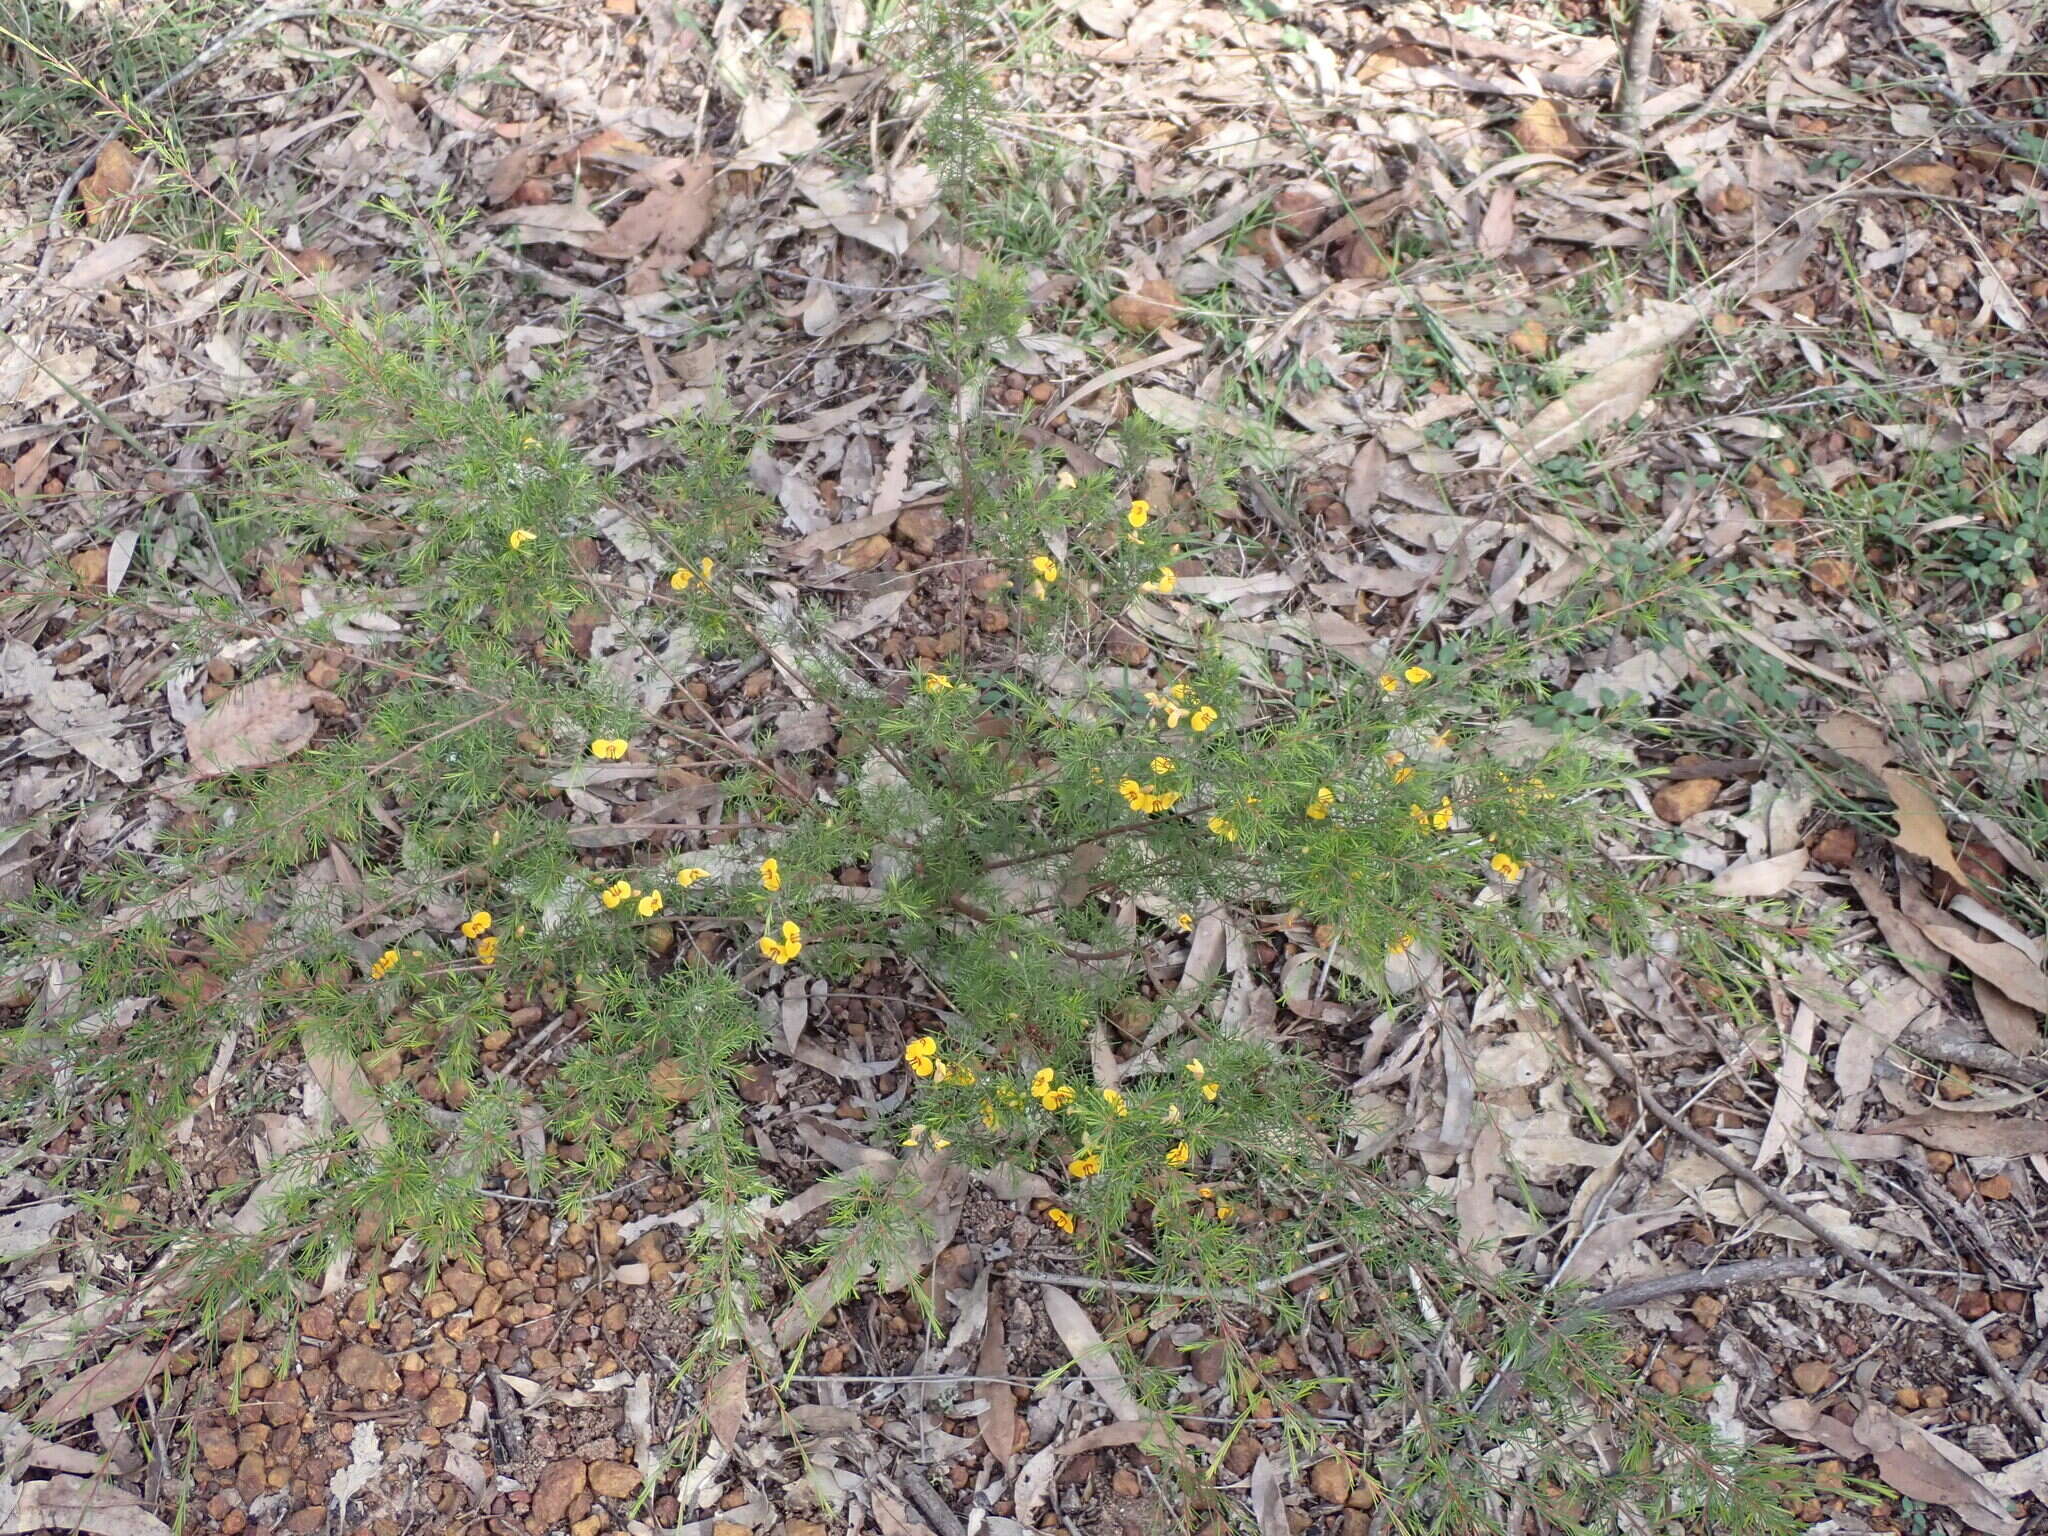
{"type": "Point", "coordinates": [1955, 1051]}
{"type": "Point", "coordinates": [1972, 1340]}
{"type": "Point", "coordinates": [1721, 1277]}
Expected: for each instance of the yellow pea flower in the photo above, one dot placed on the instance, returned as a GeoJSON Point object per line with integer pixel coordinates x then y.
{"type": "Point", "coordinates": [1060, 1219]}
{"type": "Point", "coordinates": [937, 682]}
{"type": "Point", "coordinates": [1418, 675]}
{"type": "Point", "coordinates": [608, 748]}
{"type": "Point", "coordinates": [990, 1120]}
{"type": "Point", "coordinates": [1210, 1090]}
{"type": "Point", "coordinates": [1085, 1164]}
{"type": "Point", "coordinates": [1047, 568]}
{"type": "Point", "coordinates": [487, 950]}
{"type": "Point", "coordinates": [1116, 1103]}
{"type": "Point", "coordinates": [650, 904]}
{"type": "Point", "coordinates": [1319, 807]}
{"type": "Point", "coordinates": [689, 877]}
{"type": "Point", "coordinates": [917, 1138]}
{"type": "Point", "coordinates": [384, 965]}
{"type": "Point", "coordinates": [682, 578]}
{"type": "Point", "coordinates": [1225, 1212]}
{"type": "Point", "coordinates": [1202, 719]}
{"type": "Point", "coordinates": [771, 875]}
{"type": "Point", "coordinates": [1185, 922]}
{"type": "Point", "coordinates": [1174, 713]}
{"type": "Point", "coordinates": [1162, 765]}
{"type": "Point", "coordinates": [1195, 1068]}
{"type": "Point", "coordinates": [616, 892]}
{"type": "Point", "coordinates": [788, 949]}
{"type": "Point", "coordinates": [1139, 515]}
{"type": "Point", "coordinates": [1401, 946]}
{"type": "Point", "coordinates": [1442, 816]}
{"type": "Point", "coordinates": [922, 1055]}
{"type": "Point", "coordinates": [519, 538]}
{"type": "Point", "coordinates": [1507, 867]}
{"type": "Point", "coordinates": [1165, 582]}
{"type": "Point", "coordinates": [1389, 683]}
{"type": "Point", "coordinates": [478, 925]}
{"type": "Point", "coordinates": [1224, 828]}
{"type": "Point", "coordinates": [705, 568]}
{"type": "Point", "coordinates": [1065, 480]}
{"type": "Point", "coordinates": [1178, 1154]}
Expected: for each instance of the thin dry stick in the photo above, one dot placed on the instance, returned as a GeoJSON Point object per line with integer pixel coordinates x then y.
{"type": "Point", "coordinates": [1721, 1277]}
{"type": "Point", "coordinates": [1904, 1289]}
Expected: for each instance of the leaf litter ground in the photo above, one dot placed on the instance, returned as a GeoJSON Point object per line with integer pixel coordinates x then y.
{"type": "Point", "coordinates": [1420, 271]}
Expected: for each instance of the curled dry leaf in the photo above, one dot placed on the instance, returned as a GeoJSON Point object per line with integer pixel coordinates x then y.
{"type": "Point", "coordinates": [1922, 830]}
{"type": "Point", "coordinates": [261, 722]}
{"type": "Point", "coordinates": [1152, 306]}
{"type": "Point", "coordinates": [113, 1381]}
{"type": "Point", "coordinates": [115, 176]}
{"type": "Point", "coordinates": [2001, 964]}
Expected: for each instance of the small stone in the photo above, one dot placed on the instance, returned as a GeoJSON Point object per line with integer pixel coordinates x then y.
{"type": "Point", "coordinates": [1681, 798]}
{"type": "Point", "coordinates": [363, 1369]}
{"type": "Point", "coordinates": [1836, 846]}
{"type": "Point", "coordinates": [90, 566]}
{"type": "Point", "coordinates": [633, 1274]}
{"type": "Point", "coordinates": [446, 1405]}
{"type": "Point", "coordinates": [303, 1522]}
{"type": "Point", "coordinates": [1907, 1399]}
{"type": "Point", "coordinates": [1124, 1483]}
{"type": "Point", "coordinates": [463, 1285]}
{"type": "Point", "coordinates": [922, 527]}
{"type": "Point", "coordinates": [1997, 1187]}
{"type": "Point", "coordinates": [802, 1528]}
{"type": "Point", "coordinates": [614, 1479]}
{"type": "Point", "coordinates": [217, 1445]}
{"type": "Point", "coordinates": [237, 1358]}
{"type": "Point", "coordinates": [1330, 1481]}
{"type": "Point", "coordinates": [438, 1305]}
{"type": "Point", "coordinates": [729, 1528]}
{"type": "Point", "coordinates": [1813, 1377]}
{"type": "Point", "coordinates": [559, 1484]}
{"type": "Point", "coordinates": [589, 1525]}
{"type": "Point", "coordinates": [487, 1305]}
{"type": "Point", "coordinates": [1530, 338]}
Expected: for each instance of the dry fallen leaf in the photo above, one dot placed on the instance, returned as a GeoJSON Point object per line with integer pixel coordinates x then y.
{"type": "Point", "coordinates": [725, 1403]}
{"type": "Point", "coordinates": [1761, 877]}
{"type": "Point", "coordinates": [112, 1382]}
{"type": "Point", "coordinates": [999, 1421]}
{"type": "Point", "coordinates": [665, 223]}
{"type": "Point", "coordinates": [342, 1079]}
{"type": "Point", "coordinates": [69, 1503]}
{"type": "Point", "coordinates": [1541, 129]}
{"type": "Point", "coordinates": [1152, 306]}
{"type": "Point", "coordinates": [261, 722]}
{"type": "Point", "coordinates": [1935, 177]}
{"type": "Point", "coordinates": [1922, 830]}
{"type": "Point", "coordinates": [1592, 406]}
{"type": "Point", "coordinates": [115, 176]}
{"type": "Point", "coordinates": [1971, 1135]}
{"type": "Point", "coordinates": [1858, 738]}
{"type": "Point", "coordinates": [1999, 963]}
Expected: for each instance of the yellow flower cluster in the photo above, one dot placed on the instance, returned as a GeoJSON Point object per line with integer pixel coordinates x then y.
{"type": "Point", "coordinates": [1200, 1074]}
{"type": "Point", "coordinates": [1147, 799]}
{"type": "Point", "coordinates": [1224, 828]}
{"type": "Point", "coordinates": [1047, 568]}
{"type": "Point", "coordinates": [608, 748]}
{"type": "Point", "coordinates": [787, 948]}
{"type": "Point", "coordinates": [937, 682]}
{"type": "Point", "coordinates": [1320, 806]}
{"type": "Point", "coordinates": [1398, 762]}
{"type": "Point", "coordinates": [487, 949]}
{"type": "Point", "coordinates": [1179, 703]}
{"type": "Point", "coordinates": [1178, 1154]}
{"type": "Point", "coordinates": [1415, 677]}
{"type": "Point", "coordinates": [618, 891]}
{"type": "Point", "coordinates": [1165, 582]}
{"type": "Point", "coordinates": [1050, 1098]}
{"type": "Point", "coordinates": [916, 1138]}
{"type": "Point", "coordinates": [1439, 819]}
{"type": "Point", "coordinates": [922, 1056]}
{"type": "Point", "coordinates": [384, 965]}
{"type": "Point", "coordinates": [649, 904]}
{"type": "Point", "coordinates": [478, 925]}
{"type": "Point", "coordinates": [684, 576]}
{"type": "Point", "coordinates": [1117, 1104]}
